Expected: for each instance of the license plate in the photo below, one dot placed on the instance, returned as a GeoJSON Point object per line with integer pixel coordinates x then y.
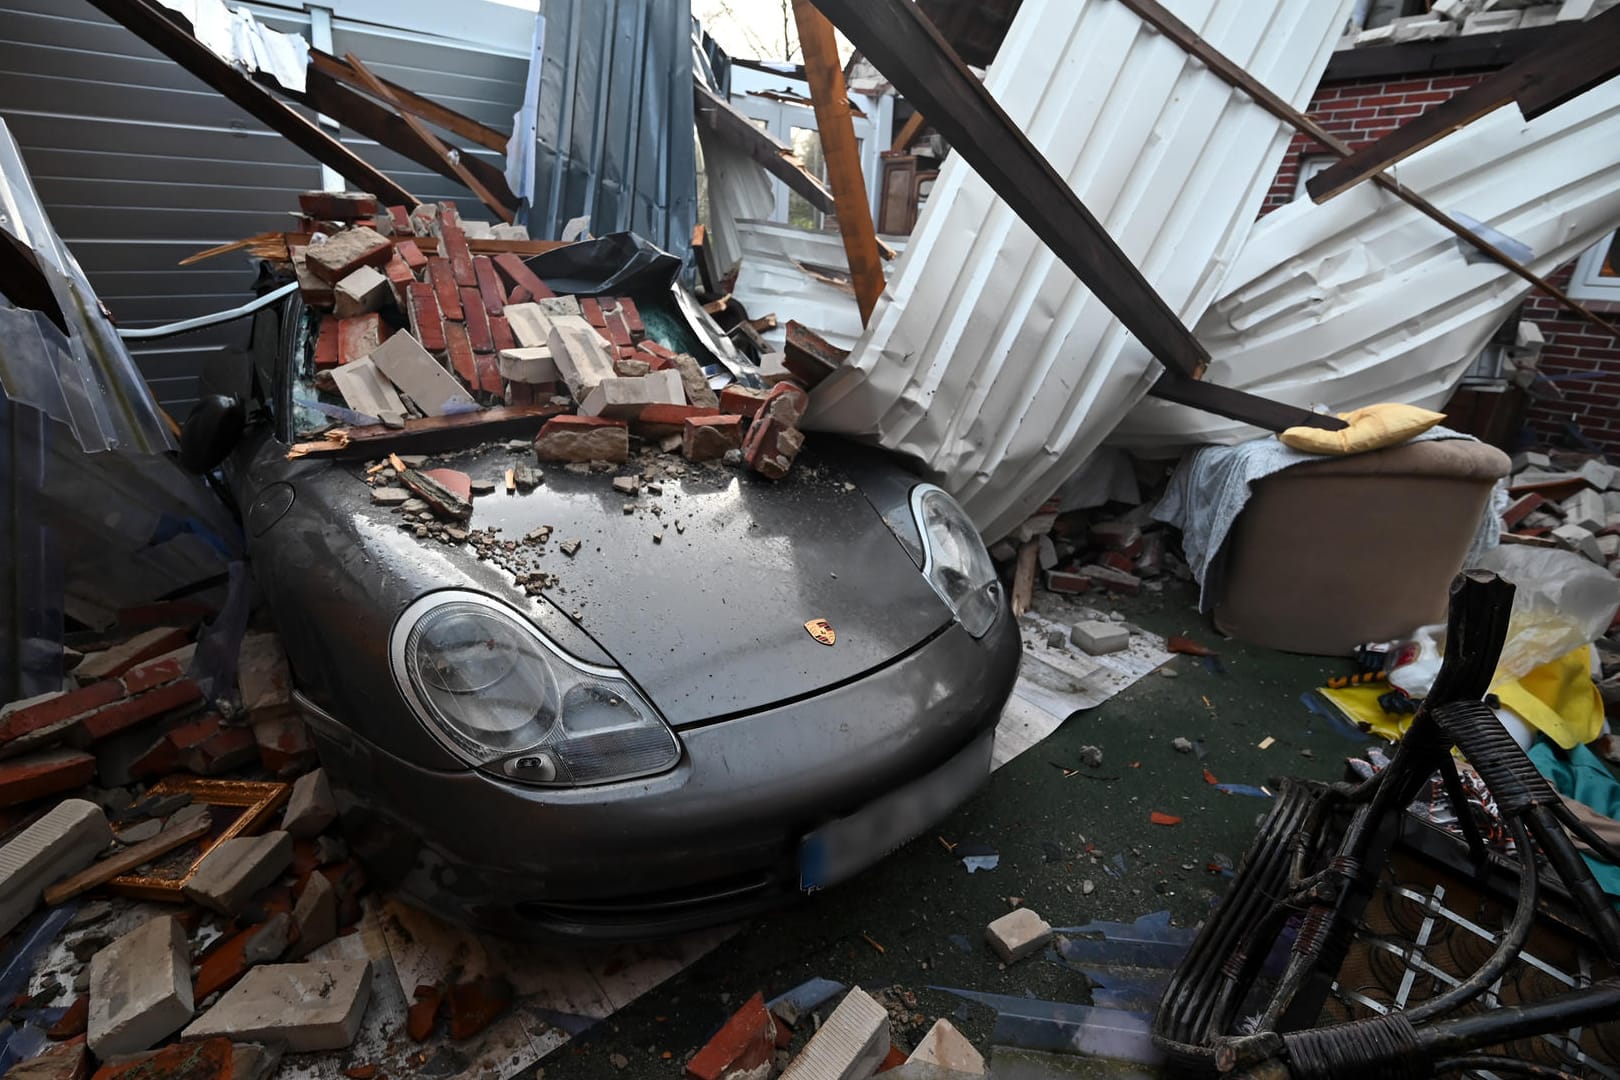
{"type": "Point", "coordinates": [841, 849]}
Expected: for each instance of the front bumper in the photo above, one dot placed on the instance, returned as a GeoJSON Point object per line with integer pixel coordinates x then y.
{"type": "Point", "coordinates": [714, 839]}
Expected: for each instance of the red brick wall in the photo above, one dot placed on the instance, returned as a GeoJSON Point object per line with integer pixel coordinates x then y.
{"type": "Point", "coordinates": [1583, 361]}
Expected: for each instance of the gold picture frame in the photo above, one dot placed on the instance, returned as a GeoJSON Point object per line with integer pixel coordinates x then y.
{"type": "Point", "coordinates": [237, 808]}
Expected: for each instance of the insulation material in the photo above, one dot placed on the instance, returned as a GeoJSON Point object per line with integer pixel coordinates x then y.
{"type": "Point", "coordinates": [236, 36]}
{"type": "Point", "coordinates": [987, 361]}
{"type": "Point", "coordinates": [800, 275]}
{"type": "Point", "coordinates": [1363, 300]}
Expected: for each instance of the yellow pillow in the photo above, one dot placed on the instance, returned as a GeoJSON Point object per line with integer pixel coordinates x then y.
{"type": "Point", "coordinates": [1371, 428]}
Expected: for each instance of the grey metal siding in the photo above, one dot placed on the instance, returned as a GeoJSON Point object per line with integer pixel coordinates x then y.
{"type": "Point", "coordinates": [140, 164]}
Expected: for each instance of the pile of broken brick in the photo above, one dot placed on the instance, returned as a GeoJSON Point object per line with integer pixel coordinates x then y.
{"type": "Point", "coordinates": [1569, 501]}
{"type": "Point", "coordinates": [857, 1040]}
{"type": "Point", "coordinates": [410, 334]}
{"type": "Point", "coordinates": [172, 860]}
{"type": "Point", "coordinates": [1081, 550]}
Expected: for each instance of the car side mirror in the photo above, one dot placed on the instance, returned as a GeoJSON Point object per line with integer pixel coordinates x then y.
{"type": "Point", "coordinates": [210, 432]}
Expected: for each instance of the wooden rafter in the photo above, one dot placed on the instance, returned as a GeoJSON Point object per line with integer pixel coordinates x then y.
{"type": "Point", "coordinates": [462, 126]}
{"type": "Point", "coordinates": [836, 127]}
{"type": "Point", "coordinates": [1583, 56]}
{"type": "Point", "coordinates": [908, 133]}
{"type": "Point", "coordinates": [154, 26]}
{"type": "Point", "coordinates": [724, 120]}
{"type": "Point", "coordinates": [379, 88]}
{"type": "Point", "coordinates": [1155, 14]}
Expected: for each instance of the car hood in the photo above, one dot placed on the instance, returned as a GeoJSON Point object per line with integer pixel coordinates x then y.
{"type": "Point", "coordinates": [701, 592]}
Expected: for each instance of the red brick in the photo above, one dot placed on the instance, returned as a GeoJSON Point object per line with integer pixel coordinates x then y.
{"type": "Point", "coordinates": [705, 438]}
{"type": "Point", "coordinates": [1522, 508]}
{"type": "Point", "coordinates": [449, 214]}
{"type": "Point", "coordinates": [518, 393]}
{"type": "Point", "coordinates": [420, 1017]}
{"type": "Point", "coordinates": [489, 373]}
{"type": "Point", "coordinates": [771, 447]}
{"type": "Point", "coordinates": [477, 321]}
{"type": "Point", "coordinates": [337, 205]}
{"type": "Point", "coordinates": [400, 277]}
{"type": "Point", "coordinates": [59, 708]}
{"type": "Point", "coordinates": [326, 342]}
{"type": "Point", "coordinates": [632, 317]}
{"type": "Point", "coordinates": [210, 1059]}
{"type": "Point", "coordinates": [35, 776]}
{"type": "Point", "coordinates": [658, 421]}
{"type": "Point", "coordinates": [500, 331]}
{"type": "Point", "coordinates": [64, 1061]}
{"type": "Point", "coordinates": [407, 250]}
{"type": "Point", "coordinates": [226, 749]}
{"type": "Point", "coordinates": [118, 659]}
{"type": "Point", "coordinates": [131, 711]}
{"type": "Point", "coordinates": [741, 400]}
{"type": "Point", "coordinates": [444, 287]}
{"type": "Point", "coordinates": [577, 423]}
{"type": "Point", "coordinates": [520, 295]}
{"type": "Point", "coordinates": [1111, 580]}
{"type": "Point", "coordinates": [592, 311]}
{"type": "Point", "coordinates": [459, 349]}
{"type": "Point", "coordinates": [157, 673]}
{"type": "Point", "coordinates": [284, 742]}
{"type": "Point", "coordinates": [345, 252]}
{"type": "Point", "coordinates": [519, 276]}
{"type": "Point", "coordinates": [73, 1022]}
{"type": "Point", "coordinates": [400, 218]}
{"type": "Point", "coordinates": [223, 964]}
{"type": "Point", "coordinates": [427, 322]}
{"type": "Point", "coordinates": [786, 403]}
{"type": "Point", "coordinates": [1064, 581]}
{"type": "Point", "coordinates": [359, 336]}
{"type": "Point", "coordinates": [478, 1003]}
{"type": "Point", "coordinates": [489, 285]}
{"type": "Point", "coordinates": [618, 332]}
{"type": "Point", "coordinates": [453, 246]}
{"type": "Point", "coordinates": [747, 1041]}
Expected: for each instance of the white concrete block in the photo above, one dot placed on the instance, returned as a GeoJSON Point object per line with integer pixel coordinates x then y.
{"type": "Point", "coordinates": [623, 399]}
{"type": "Point", "coordinates": [1017, 934]}
{"type": "Point", "coordinates": [58, 845]}
{"type": "Point", "coordinates": [309, 1006]}
{"type": "Point", "coordinates": [1579, 540]}
{"type": "Point", "coordinates": [1576, 10]}
{"type": "Point", "coordinates": [1100, 638]}
{"type": "Point", "coordinates": [310, 807]}
{"type": "Point", "coordinates": [949, 1049]}
{"type": "Point", "coordinates": [1539, 16]}
{"type": "Point", "coordinates": [850, 1045]}
{"type": "Point", "coordinates": [528, 365]}
{"type": "Point", "coordinates": [1585, 508]}
{"type": "Point", "coordinates": [315, 915]}
{"type": "Point", "coordinates": [235, 869]}
{"type": "Point", "coordinates": [1531, 459]}
{"type": "Point", "coordinates": [362, 291]}
{"type": "Point", "coordinates": [530, 325]}
{"type": "Point", "coordinates": [140, 988]}
{"type": "Point", "coordinates": [1492, 22]}
{"type": "Point", "coordinates": [1600, 475]}
{"type": "Point", "coordinates": [1423, 28]}
{"type": "Point", "coordinates": [582, 357]}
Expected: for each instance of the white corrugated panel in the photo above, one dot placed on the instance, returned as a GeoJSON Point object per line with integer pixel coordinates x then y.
{"type": "Point", "coordinates": [1362, 299]}
{"type": "Point", "coordinates": [987, 361]}
{"type": "Point", "coordinates": [802, 275]}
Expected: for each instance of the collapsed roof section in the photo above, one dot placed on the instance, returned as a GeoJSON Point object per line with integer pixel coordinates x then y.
{"type": "Point", "coordinates": [987, 361]}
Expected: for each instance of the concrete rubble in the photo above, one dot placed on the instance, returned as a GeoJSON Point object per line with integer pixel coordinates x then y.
{"type": "Point", "coordinates": [140, 989]}
{"type": "Point", "coordinates": [304, 1007]}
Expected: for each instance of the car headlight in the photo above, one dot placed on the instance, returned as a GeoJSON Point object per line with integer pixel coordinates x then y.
{"type": "Point", "coordinates": [955, 561]}
{"type": "Point", "coordinates": [500, 695]}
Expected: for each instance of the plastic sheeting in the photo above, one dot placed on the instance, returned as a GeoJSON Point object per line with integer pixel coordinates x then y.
{"type": "Point", "coordinates": [1362, 299]}
{"type": "Point", "coordinates": [614, 120]}
{"type": "Point", "coordinates": [100, 518]}
{"type": "Point", "coordinates": [987, 361]}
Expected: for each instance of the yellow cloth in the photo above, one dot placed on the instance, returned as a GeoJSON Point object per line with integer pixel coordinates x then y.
{"type": "Point", "coordinates": [1371, 428]}
{"type": "Point", "coordinates": [1558, 699]}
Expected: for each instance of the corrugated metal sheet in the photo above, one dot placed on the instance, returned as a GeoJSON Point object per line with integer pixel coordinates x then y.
{"type": "Point", "coordinates": [141, 164]}
{"type": "Point", "coordinates": [802, 275]}
{"type": "Point", "coordinates": [1362, 299]}
{"type": "Point", "coordinates": [987, 361]}
{"type": "Point", "coordinates": [614, 125]}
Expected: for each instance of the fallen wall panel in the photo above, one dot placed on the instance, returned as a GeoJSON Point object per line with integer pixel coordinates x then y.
{"type": "Point", "coordinates": [987, 361]}
{"type": "Point", "coordinates": [1362, 299]}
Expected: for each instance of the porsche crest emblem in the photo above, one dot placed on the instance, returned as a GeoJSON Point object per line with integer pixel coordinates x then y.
{"type": "Point", "coordinates": [822, 631]}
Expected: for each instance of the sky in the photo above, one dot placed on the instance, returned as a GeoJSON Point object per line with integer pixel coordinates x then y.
{"type": "Point", "coordinates": [756, 29]}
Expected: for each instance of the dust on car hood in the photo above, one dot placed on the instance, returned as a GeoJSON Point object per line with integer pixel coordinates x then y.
{"type": "Point", "coordinates": [702, 590]}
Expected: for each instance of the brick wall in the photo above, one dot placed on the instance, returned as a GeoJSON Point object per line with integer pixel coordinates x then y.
{"type": "Point", "coordinates": [1581, 360]}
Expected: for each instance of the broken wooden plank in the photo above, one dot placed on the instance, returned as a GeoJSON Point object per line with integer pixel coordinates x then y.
{"type": "Point", "coordinates": [154, 26]}
{"type": "Point", "coordinates": [330, 97]}
{"type": "Point", "coordinates": [473, 184]}
{"type": "Point", "coordinates": [1584, 55]}
{"type": "Point", "coordinates": [429, 435]}
{"type": "Point", "coordinates": [1023, 588]}
{"type": "Point", "coordinates": [897, 37]}
{"type": "Point", "coordinates": [908, 133]}
{"type": "Point", "coordinates": [331, 67]}
{"type": "Point", "coordinates": [128, 859]}
{"type": "Point", "coordinates": [830, 96]}
{"type": "Point", "coordinates": [1240, 405]}
{"type": "Point", "coordinates": [1161, 19]}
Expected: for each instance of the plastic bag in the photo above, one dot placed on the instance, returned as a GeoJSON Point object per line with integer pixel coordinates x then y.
{"type": "Point", "coordinates": [1561, 602]}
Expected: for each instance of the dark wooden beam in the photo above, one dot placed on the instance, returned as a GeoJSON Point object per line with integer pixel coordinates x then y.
{"type": "Point", "coordinates": [1240, 405]}
{"type": "Point", "coordinates": [154, 26]}
{"type": "Point", "coordinates": [464, 127]}
{"type": "Point", "coordinates": [462, 173]}
{"type": "Point", "coordinates": [900, 40]}
{"type": "Point", "coordinates": [1583, 55]}
{"type": "Point", "coordinates": [836, 127]}
{"type": "Point", "coordinates": [364, 116]}
{"type": "Point", "coordinates": [723, 119]}
{"type": "Point", "coordinates": [1156, 15]}
{"type": "Point", "coordinates": [1473, 52]}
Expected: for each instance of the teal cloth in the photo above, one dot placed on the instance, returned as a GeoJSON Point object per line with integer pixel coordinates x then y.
{"type": "Point", "coordinates": [1578, 774]}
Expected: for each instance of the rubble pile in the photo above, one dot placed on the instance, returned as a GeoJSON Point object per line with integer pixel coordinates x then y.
{"type": "Point", "coordinates": [1451, 18]}
{"type": "Point", "coordinates": [1081, 551]}
{"type": "Point", "coordinates": [408, 337]}
{"type": "Point", "coordinates": [183, 849]}
{"type": "Point", "coordinates": [1570, 502]}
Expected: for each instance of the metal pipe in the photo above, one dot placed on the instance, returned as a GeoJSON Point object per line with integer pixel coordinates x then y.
{"type": "Point", "coordinates": [169, 330]}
